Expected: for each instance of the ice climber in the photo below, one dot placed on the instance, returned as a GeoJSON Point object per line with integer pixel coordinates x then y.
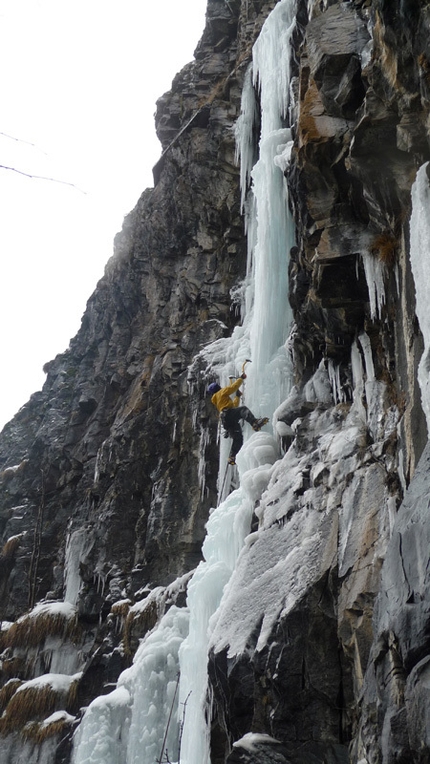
{"type": "Point", "coordinates": [231, 413]}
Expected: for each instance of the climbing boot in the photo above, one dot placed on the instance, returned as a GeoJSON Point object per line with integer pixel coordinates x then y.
{"type": "Point", "coordinates": [259, 423]}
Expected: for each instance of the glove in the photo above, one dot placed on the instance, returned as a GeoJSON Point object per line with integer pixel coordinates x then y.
{"type": "Point", "coordinates": [238, 394]}
{"type": "Point", "coordinates": [243, 376]}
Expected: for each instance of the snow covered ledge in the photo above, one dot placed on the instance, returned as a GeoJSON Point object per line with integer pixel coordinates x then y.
{"type": "Point", "coordinates": [257, 748]}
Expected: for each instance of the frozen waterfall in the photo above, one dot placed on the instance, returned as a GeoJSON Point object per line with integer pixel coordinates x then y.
{"type": "Point", "coordinates": [128, 726]}
{"type": "Point", "coordinates": [270, 315]}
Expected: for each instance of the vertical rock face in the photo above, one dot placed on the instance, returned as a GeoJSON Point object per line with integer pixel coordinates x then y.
{"type": "Point", "coordinates": [319, 651]}
{"type": "Point", "coordinates": [396, 687]}
{"type": "Point", "coordinates": [302, 657]}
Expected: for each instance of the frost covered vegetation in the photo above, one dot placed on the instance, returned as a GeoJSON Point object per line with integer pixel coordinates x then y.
{"type": "Point", "coordinates": [195, 612]}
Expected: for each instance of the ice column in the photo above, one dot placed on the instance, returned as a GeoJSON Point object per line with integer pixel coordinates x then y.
{"type": "Point", "coordinates": [245, 130]}
{"type": "Point", "coordinates": [270, 374]}
{"type": "Point", "coordinates": [420, 262]}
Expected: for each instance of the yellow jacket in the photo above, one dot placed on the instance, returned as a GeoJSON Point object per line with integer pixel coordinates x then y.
{"type": "Point", "coordinates": [221, 400]}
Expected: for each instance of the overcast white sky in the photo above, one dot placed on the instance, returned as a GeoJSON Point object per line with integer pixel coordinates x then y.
{"type": "Point", "coordinates": [79, 81]}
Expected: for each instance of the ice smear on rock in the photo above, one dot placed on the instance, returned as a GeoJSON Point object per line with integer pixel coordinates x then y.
{"type": "Point", "coordinates": [76, 547]}
{"type": "Point", "coordinates": [306, 518]}
{"type": "Point", "coordinates": [420, 262]}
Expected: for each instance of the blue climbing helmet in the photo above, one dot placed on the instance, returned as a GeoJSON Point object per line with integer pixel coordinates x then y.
{"type": "Point", "coordinates": [213, 388]}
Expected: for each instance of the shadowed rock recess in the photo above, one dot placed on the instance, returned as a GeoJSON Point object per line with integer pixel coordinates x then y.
{"type": "Point", "coordinates": [108, 475]}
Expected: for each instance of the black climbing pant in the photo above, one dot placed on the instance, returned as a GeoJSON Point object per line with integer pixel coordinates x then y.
{"type": "Point", "coordinates": [231, 419]}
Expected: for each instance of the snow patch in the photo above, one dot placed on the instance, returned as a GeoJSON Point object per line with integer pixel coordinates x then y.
{"type": "Point", "coordinates": [58, 716]}
{"type": "Point", "coordinates": [66, 609]}
{"type": "Point", "coordinates": [252, 739]}
{"type": "Point", "coordinates": [57, 682]}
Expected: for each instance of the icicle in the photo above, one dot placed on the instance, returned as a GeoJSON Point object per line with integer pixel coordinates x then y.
{"type": "Point", "coordinates": [336, 386]}
{"type": "Point", "coordinates": [374, 270]}
{"type": "Point", "coordinates": [245, 129]}
{"type": "Point", "coordinates": [204, 442]}
{"type": "Point", "coordinates": [99, 578]}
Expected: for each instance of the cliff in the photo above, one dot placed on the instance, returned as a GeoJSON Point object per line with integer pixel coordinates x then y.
{"type": "Point", "coordinates": [291, 594]}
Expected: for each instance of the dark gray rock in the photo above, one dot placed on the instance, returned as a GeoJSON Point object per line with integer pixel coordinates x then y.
{"type": "Point", "coordinates": [398, 673]}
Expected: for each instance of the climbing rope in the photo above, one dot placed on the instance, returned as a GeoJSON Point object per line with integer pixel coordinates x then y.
{"type": "Point", "coordinates": [221, 493]}
{"type": "Point", "coordinates": [160, 759]}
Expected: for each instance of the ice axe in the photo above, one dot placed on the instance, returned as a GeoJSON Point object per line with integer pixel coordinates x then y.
{"type": "Point", "coordinates": [248, 360]}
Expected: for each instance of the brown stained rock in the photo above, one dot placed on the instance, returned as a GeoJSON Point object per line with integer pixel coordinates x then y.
{"type": "Point", "coordinates": [315, 124]}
